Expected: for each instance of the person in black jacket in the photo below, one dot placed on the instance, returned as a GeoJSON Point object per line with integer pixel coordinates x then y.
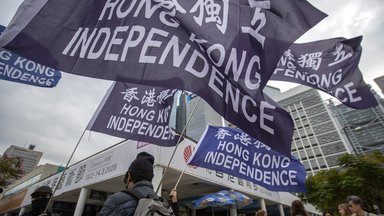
{"type": "Point", "coordinates": [138, 177]}
{"type": "Point", "coordinates": [40, 198]}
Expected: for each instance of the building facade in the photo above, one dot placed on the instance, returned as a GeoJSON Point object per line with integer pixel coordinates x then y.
{"type": "Point", "coordinates": [317, 141]}
{"type": "Point", "coordinates": [30, 158]}
{"type": "Point", "coordinates": [363, 127]}
{"type": "Point", "coordinates": [85, 185]}
{"type": "Point", "coordinates": [200, 114]}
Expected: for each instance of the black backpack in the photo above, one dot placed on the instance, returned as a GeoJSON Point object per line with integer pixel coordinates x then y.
{"type": "Point", "coordinates": [150, 206]}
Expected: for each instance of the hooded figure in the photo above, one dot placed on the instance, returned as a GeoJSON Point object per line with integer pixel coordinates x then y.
{"type": "Point", "coordinates": [40, 198]}
{"type": "Point", "coordinates": [138, 177]}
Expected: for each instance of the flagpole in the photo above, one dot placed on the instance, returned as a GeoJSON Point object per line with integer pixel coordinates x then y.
{"type": "Point", "coordinates": [181, 175]}
{"type": "Point", "coordinates": [177, 144]}
{"type": "Point", "coordinates": [66, 166]}
{"type": "Point", "coordinates": [78, 142]}
{"type": "Point", "coordinates": [186, 165]}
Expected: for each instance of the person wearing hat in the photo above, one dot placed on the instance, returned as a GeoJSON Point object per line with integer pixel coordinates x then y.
{"type": "Point", "coordinates": [40, 198]}
{"type": "Point", "coordinates": [138, 177]}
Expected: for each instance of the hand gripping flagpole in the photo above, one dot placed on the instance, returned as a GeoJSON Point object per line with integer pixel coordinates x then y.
{"type": "Point", "coordinates": [177, 144]}
{"type": "Point", "coordinates": [181, 175]}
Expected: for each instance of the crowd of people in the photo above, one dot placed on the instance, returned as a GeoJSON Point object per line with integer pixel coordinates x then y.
{"type": "Point", "coordinates": [353, 206]}
{"type": "Point", "coordinates": [138, 179]}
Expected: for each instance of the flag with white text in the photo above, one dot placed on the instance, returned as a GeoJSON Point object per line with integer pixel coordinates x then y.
{"type": "Point", "coordinates": [18, 69]}
{"type": "Point", "coordinates": [330, 66]}
{"type": "Point", "coordinates": [136, 112]}
{"type": "Point", "coordinates": [234, 152]}
{"type": "Point", "coordinates": [223, 51]}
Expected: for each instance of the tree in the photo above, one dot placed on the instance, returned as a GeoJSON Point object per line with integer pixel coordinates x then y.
{"type": "Point", "coordinates": [360, 175]}
{"type": "Point", "coordinates": [10, 168]}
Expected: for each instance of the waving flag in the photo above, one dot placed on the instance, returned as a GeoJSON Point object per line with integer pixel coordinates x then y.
{"type": "Point", "coordinates": [136, 112]}
{"type": "Point", "coordinates": [330, 66]}
{"type": "Point", "coordinates": [223, 51]}
{"type": "Point", "coordinates": [18, 69]}
{"type": "Point", "coordinates": [234, 152]}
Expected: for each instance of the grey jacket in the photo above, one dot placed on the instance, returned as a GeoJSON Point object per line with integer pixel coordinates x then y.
{"type": "Point", "coordinates": [122, 203]}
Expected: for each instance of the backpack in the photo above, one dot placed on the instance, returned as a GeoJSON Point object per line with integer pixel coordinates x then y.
{"type": "Point", "coordinates": [149, 206]}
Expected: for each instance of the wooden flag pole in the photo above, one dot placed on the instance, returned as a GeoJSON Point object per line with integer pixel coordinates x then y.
{"type": "Point", "coordinates": [177, 144]}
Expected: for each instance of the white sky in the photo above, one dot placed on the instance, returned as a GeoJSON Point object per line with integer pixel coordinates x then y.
{"type": "Point", "coordinates": [54, 118]}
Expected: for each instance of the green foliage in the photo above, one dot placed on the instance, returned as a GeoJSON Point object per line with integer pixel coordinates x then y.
{"type": "Point", "coordinates": [361, 175]}
{"type": "Point", "coordinates": [10, 168]}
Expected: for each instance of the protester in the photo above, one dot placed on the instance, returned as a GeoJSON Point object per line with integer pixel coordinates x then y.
{"type": "Point", "coordinates": [344, 210]}
{"type": "Point", "coordinates": [261, 212]}
{"type": "Point", "coordinates": [40, 198]}
{"type": "Point", "coordinates": [138, 177]}
{"type": "Point", "coordinates": [355, 204]}
{"type": "Point", "coordinates": [297, 209]}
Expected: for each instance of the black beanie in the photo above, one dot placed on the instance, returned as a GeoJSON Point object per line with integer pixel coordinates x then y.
{"type": "Point", "coordinates": [142, 166]}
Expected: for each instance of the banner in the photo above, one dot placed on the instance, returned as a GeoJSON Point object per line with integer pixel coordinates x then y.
{"type": "Point", "coordinates": [101, 167]}
{"type": "Point", "coordinates": [18, 69]}
{"type": "Point", "coordinates": [136, 112]}
{"type": "Point", "coordinates": [234, 152]}
{"type": "Point", "coordinates": [330, 66]}
{"type": "Point", "coordinates": [223, 51]}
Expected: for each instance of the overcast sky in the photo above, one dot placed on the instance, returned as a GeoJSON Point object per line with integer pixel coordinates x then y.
{"type": "Point", "coordinates": [54, 118]}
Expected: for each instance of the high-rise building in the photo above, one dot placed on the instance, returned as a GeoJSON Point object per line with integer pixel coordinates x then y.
{"type": "Point", "coordinates": [317, 141]}
{"type": "Point", "coordinates": [201, 114]}
{"type": "Point", "coordinates": [205, 115]}
{"type": "Point", "coordinates": [178, 114]}
{"type": "Point", "coordinates": [30, 158]}
{"type": "Point", "coordinates": [363, 127]}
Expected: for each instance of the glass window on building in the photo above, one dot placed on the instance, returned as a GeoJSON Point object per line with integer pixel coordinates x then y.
{"type": "Point", "coordinates": [322, 163]}
{"type": "Point", "coordinates": [306, 165]}
{"type": "Point", "coordinates": [333, 148]}
{"type": "Point", "coordinates": [328, 138]}
{"type": "Point", "coordinates": [296, 135]}
{"type": "Point", "coordinates": [306, 142]}
{"type": "Point", "coordinates": [310, 154]}
{"type": "Point", "coordinates": [303, 155]}
{"type": "Point", "coordinates": [298, 124]}
{"type": "Point", "coordinates": [314, 164]}
{"type": "Point", "coordinates": [295, 154]}
{"type": "Point", "coordinates": [313, 141]}
{"type": "Point", "coordinates": [299, 144]}
{"type": "Point", "coordinates": [317, 151]}
{"type": "Point", "coordinates": [294, 115]}
{"type": "Point", "coordinates": [332, 160]}
{"type": "Point", "coordinates": [305, 122]}
{"type": "Point", "coordinates": [321, 118]}
{"type": "Point", "coordinates": [301, 114]}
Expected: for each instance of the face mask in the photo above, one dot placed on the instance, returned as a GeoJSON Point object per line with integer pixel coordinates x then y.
{"type": "Point", "coordinates": [40, 204]}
